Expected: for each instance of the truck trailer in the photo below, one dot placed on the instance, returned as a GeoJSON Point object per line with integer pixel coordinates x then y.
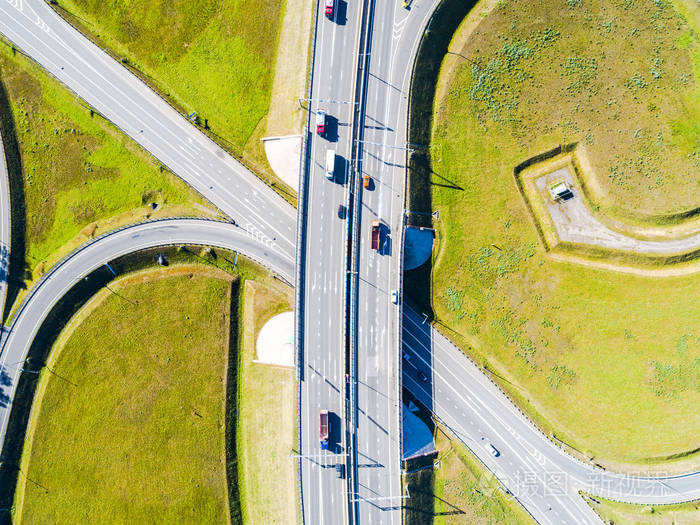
{"type": "Point", "coordinates": [323, 424]}
{"type": "Point", "coordinates": [376, 235]}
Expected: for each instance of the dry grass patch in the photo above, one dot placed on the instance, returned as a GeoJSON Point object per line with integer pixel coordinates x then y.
{"type": "Point", "coordinates": [266, 432]}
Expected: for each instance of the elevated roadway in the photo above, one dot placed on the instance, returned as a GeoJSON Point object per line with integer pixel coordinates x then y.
{"type": "Point", "coordinates": [80, 263]}
{"type": "Point", "coordinates": [323, 374]}
{"type": "Point", "coordinates": [393, 42]}
{"type": "Point", "coordinates": [119, 96]}
{"type": "Point", "coordinates": [545, 479]}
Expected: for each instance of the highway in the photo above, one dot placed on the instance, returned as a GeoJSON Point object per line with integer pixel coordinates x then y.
{"type": "Point", "coordinates": [80, 263]}
{"type": "Point", "coordinates": [115, 93]}
{"type": "Point", "coordinates": [544, 478]}
{"type": "Point", "coordinates": [322, 385]}
{"type": "Point", "coordinates": [394, 39]}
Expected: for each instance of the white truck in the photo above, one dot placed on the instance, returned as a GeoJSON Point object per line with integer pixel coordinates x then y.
{"type": "Point", "coordinates": [330, 163]}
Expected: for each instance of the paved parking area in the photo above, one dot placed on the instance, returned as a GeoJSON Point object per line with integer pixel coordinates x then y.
{"type": "Point", "coordinates": [574, 222]}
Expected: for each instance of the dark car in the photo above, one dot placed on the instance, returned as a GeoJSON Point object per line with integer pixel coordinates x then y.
{"type": "Point", "coordinates": [340, 469]}
{"type": "Point", "coordinates": [422, 376]}
{"type": "Point", "coordinates": [341, 211]}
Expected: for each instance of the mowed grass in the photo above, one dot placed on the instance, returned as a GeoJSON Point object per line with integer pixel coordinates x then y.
{"type": "Point", "coordinates": [210, 57]}
{"type": "Point", "coordinates": [81, 176]}
{"type": "Point", "coordinates": [627, 514]}
{"type": "Point", "coordinates": [130, 425]}
{"type": "Point", "coordinates": [461, 489]}
{"type": "Point", "coordinates": [608, 361]}
{"type": "Point", "coordinates": [619, 78]}
{"type": "Point", "coordinates": [267, 417]}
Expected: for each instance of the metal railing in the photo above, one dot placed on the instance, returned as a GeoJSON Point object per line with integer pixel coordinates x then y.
{"type": "Point", "coordinates": [353, 253]}
{"type": "Point", "coordinates": [299, 289]}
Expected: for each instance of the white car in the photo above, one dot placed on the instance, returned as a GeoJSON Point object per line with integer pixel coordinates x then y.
{"type": "Point", "coordinates": [494, 451]}
{"type": "Point", "coordinates": [330, 163]}
{"type": "Point", "coordinates": [395, 296]}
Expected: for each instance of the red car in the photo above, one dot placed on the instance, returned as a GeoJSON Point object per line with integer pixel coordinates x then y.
{"type": "Point", "coordinates": [330, 7]}
{"type": "Point", "coordinates": [320, 122]}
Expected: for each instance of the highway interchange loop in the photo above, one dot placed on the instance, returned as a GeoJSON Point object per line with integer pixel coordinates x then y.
{"type": "Point", "coordinates": [458, 392]}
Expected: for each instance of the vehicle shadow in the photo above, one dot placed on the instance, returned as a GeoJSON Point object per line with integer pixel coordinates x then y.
{"type": "Point", "coordinates": [341, 174]}
{"type": "Point", "coordinates": [386, 244]}
{"type": "Point", "coordinates": [341, 12]}
{"type": "Point", "coordinates": [332, 125]}
{"type": "Point", "coordinates": [335, 432]}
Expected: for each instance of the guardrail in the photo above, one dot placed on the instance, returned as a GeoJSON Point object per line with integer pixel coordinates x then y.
{"type": "Point", "coordinates": [302, 201]}
{"type": "Point", "coordinates": [353, 252]}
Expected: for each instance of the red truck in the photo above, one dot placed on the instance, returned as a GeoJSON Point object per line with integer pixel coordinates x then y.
{"type": "Point", "coordinates": [330, 7]}
{"type": "Point", "coordinates": [376, 234]}
{"type": "Point", "coordinates": [323, 417]}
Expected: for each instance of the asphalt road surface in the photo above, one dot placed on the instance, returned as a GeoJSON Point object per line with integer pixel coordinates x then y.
{"type": "Point", "coordinates": [86, 259]}
{"type": "Point", "coordinates": [108, 87]}
{"type": "Point", "coordinates": [322, 385]}
{"type": "Point", "coordinates": [544, 478]}
{"type": "Point", "coordinates": [395, 35]}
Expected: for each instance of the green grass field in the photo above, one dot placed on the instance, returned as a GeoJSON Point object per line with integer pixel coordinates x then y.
{"type": "Point", "coordinates": [460, 491]}
{"type": "Point", "coordinates": [609, 361]}
{"type": "Point", "coordinates": [620, 78]}
{"type": "Point", "coordinates": [213, 58]}
{"type": "Point", "coordinates": [626, 514]}
{"type": "Point", "coordinates": [129, 428]}
{"type": "Point", "coordinates": [81, 176]}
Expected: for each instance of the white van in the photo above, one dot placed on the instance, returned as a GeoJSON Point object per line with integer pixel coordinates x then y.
{"type": "Point", "coordinates": [330, 163]}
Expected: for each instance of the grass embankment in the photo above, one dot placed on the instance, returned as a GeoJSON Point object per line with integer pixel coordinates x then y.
{"type": "Point", "coordinates": [80, 177]}
{"type": "Point", "coordinates": [625, 514]}
{"type": "Point", "coordinates": [267, 422]}
{"type": "Point", "coordinates": [621, 79]}
{"type": "Point", "coordinates": [609, 361]}
{"type": "Point", "coordinates": [459, 490]}
{"type": "Point", "coordinates": [129, 426]}
{"type": "Point", "coordinates": [217, 59]}
{"type": "Point", "coordinates": [184, 373]}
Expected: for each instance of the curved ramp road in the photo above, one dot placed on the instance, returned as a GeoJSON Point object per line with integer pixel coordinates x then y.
{"type": "Point", "coordinates": [539, 474]}
{"type": "Point", "coordinates": [5, 232]}
{"type": "Point", "coordinates": [83, 261]}
{"type": "Point", "coordinates": [138, 111]}
{"type": "Point", "coordinates": [544, 478]}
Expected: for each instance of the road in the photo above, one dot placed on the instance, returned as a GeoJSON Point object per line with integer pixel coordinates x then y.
{"type": "Point", "coordinates": [62, 277]}
{"type": "Point", "coordinates": [115, 93]}
{"type": "Point", "coordinates": [394, 39]}
{"type": "Point", "coordinates": [5, 232]}
{"type": "Point", "coordinates": [542, 476]}
{"type": "Point", "coordinates": [462, 397]}
{"type": "Point", "coordinates": [322, 385]}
